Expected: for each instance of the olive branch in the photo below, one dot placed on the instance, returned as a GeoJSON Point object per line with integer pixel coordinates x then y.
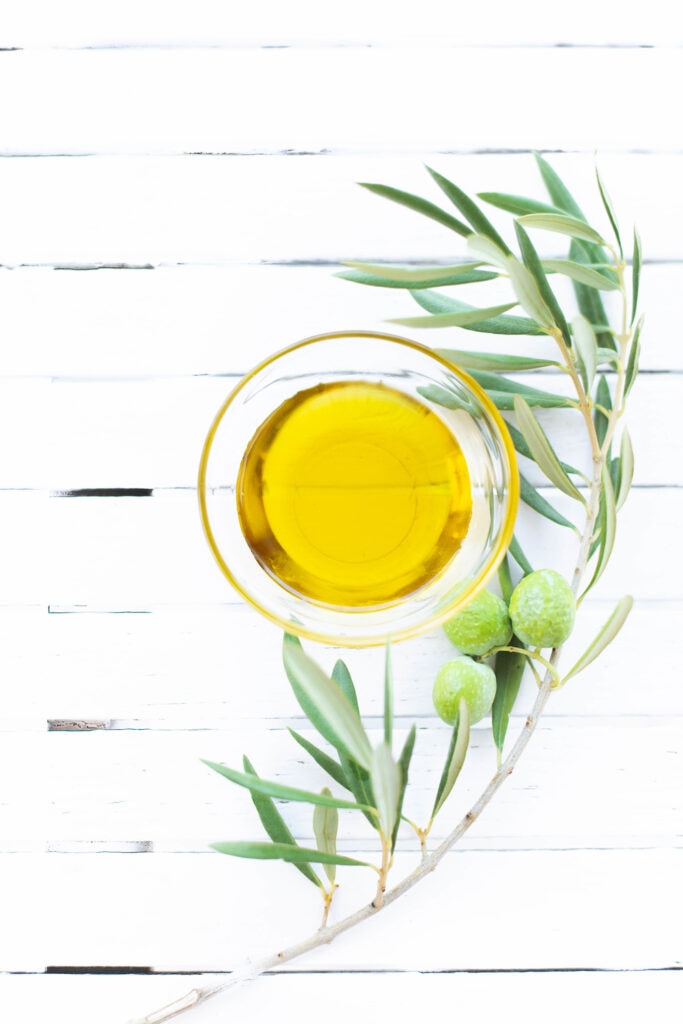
{"type": "Point", "coordinates": [601, 362]}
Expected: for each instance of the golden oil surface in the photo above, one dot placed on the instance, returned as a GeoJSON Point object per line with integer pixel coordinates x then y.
{"type": "Point", "coordinates": [353, 494]}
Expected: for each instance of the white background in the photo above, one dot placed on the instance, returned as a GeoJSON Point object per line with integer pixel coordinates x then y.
{"type": "Point", "coordinates": [177, 189]}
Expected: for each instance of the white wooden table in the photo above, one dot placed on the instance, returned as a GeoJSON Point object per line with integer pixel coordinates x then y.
{"type": "Point", "coordinates": [176, 192]}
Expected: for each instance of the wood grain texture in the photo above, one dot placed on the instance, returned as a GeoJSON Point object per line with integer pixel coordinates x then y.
{"type": "Point", "coordinates": [177, 191]}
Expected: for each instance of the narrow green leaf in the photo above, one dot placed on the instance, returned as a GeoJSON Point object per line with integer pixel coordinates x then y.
{"type": "Point", "coordinates": [274, 824]}
{"type": "Point", "coordinates": [633, 360]}
{"type": "Point", "coordinates": [324, 703]}
{"type": "Point", "coordinates": [385, 276]}
{"type": "Point", "coordinates": [519, 205]}
{"type": "Point", "coordinates": [589, 301]}
{"type": "Point", "coordinates": [557, 190]}
{"type": "Point", "coordinates": [437, 303]}
{"type": "Point", "coordinates": [465, 319]}
{"type": "Point", "coordinates": [388, 697]}
{"type": "Point", "coordinates": [606, 355]}
{"type": "Point", "coordinates": [404, 767]}
{"type": "Point", "coordinates": [292, 854]}
{"type": "Point", "coordinates": [323, 760]}
{"type": "Point", "coordinates": [447, 399]}
{"type": "Point", "coordinates": [385, 777]}
{"type": "Point", "coordinates": [579, 272]}
{"type": "Point", "coordinates": [637, 262]}
{"type": "Point", "coordinates": [627, 465]}
{"type": "Point", "coordinates": [533, 264]}
{"type": "Point", "coordinates": [608, 529]}
{"type": "Point", "coordinates": [531, 497]}
{"type": "Point", "coordinates": [523, 448]}
{"type": "Point", "coordinates": [495, 361]}
{"type": "Point", "coordinates": [509, 668]}
{"type": "Point", "coordinates": [342, 678]}
{"type": "Point", "coordinates": [325, 828]}
{"type": "Point", "coordinates": [527, 291]}
{"type": "Point", "coordinates": [533, 396]}
{"type": "Point", "coordinates": [562, 224]}
{"type": "Point", "coordinates": [469, 209]}
{"type": "Point", "coordinates": [455, 757]}
{"type": "Point", "coordinates": [604, 637]}
{"type": "Point", "coordinates": [519, 556]}
{"type": "Point", "coordinates": [609, 209]}
{"type": "Point", "coordinates": [504, 400]}
{"type": "Point", "coordinates": [419, 205]}
{"type": "Point", "coordinates": [279, 791]}
{"type": "Point", "coordinates": [505, 579]}
{"type": "Point", "coordinates": [585, 350]}
{"type": "Point", "coordinates": [542, 450]}
{"type": "Point", "coordinates": [485, 248]}
{"type": "Point", "coordinates": [358, 781]}
{"type": "Point", "coordinates": [604, 399]}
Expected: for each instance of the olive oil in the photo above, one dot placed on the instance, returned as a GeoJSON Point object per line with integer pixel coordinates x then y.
{"type": "Point", "coordinates": [353, 494]}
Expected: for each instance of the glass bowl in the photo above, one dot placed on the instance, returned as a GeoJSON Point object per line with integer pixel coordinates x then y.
{"type": "Point", "coordinates": [456, 407]}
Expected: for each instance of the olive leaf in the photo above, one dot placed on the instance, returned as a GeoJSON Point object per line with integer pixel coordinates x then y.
{"type": "Point", "coordinates": [635, 285]}
{"type": "Point", "coordinates": [385, 777]}
{"type": "Point", "coordinates": [585, 350]}
{"type": "Point", "coordinates": [607, 531]}
{"type": "Point", "coordinates": [633, 360]}
{"type": "Point", "coordinates": [563, 224]}
{"type": "Point", "coordinates": [520, 558]}
{"type": "Point", "coordinates": [509, 668]}
{"type": "Point", "coordinates": [386, 276]}
{"type": "Point", "coordinates": [455, 757]}
{"type": "Point", "coordinates": [542, 451]}
{"type": "Point", "coordinates": [527, 291]}
{"type": "Point", "coordinates": [604, 637]}
{"type": "Point", "coordinates": [531, 497]}
{"type": "Point", "coordinates": [582, 273]}
{"type": "Point", "coordinates": [419, 205]}
{"type": "Point", "coordinates": [388, 698]}
{"type": "Point", "coordinates": [274, 823]}
{"type": "Point", "coordinates": [323, 760]}
{"type": "Point", "coordinates": [279, 791]}
{"type": "Point", "coordinates": [533, 264]}
{"type": "Point", "coordinates": [518, 205]}
{"type": "Point", "coordinates": [609, 209]}
{"type": "Point", "coordinates": [325, 828]}
{"type": "Point", "coordinates": [626, 467]}
{"type": "Point", "coordinates": [523, 448]}
{"type": "Point", "coordinates": [496, 361]}
{"type": "Point", "coordinates": [344, 681]}
{"type": "Point", "coordinates": [603, 398]}
{"type": "Point", "coordinates": [292, 854]}
{"type": "Point", "coordinates": [464, 319]}
{"type": "Point", "coordinates": [495, 384]}
{"type": "Point", "coordinates": [469, 209]}
{"type": "Point", "coordinates": [404, 767]}
{"type": "Point", "coordinates": [505, 579]}
{"type": "Point", "coordinates": [435, 302]}
{"type": "Point", "coordinates": [324, 703]}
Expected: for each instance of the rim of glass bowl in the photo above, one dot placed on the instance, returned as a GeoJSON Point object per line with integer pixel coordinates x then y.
{"type": "Point", "coordinates": [463, 594]}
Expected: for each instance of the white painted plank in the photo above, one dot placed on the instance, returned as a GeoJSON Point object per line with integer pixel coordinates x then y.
{"type": "Point", "coordinates": [274, 208]}
{"type": "Point", "coordinates": [198, 320]}
{"type": "Point", "coordinates": [113, 786]}
{"type": "Point", "coordinates": [151, 434]}
{"type": "Point", "coordinates": [131, 554]}
{"type": "Point", "coordinates": [32, 23]}
{"type": "Point", "coordinates": [568, 909]}
{"type": "Point", "coordinates": [309, 99]}
{"type": "Point", "coordinates": [189, 668]}
{"type": "Point", "coordinates": [630, 995]}
{"type": "Point", "coordinates": [24, 547]}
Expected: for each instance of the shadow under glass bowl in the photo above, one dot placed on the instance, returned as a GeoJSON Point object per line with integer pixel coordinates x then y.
{"type": "Point", "coordinates": [462, 407]}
